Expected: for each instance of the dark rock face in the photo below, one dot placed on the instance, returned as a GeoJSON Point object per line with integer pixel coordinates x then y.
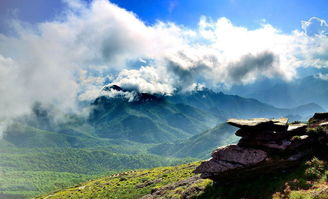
{"type": "Point", "coordinates": [229, 158]}
{"type": "Point", "coordinates": [320, 116]}
{"type": "Point", "coordinates": [317, 119]}
{"type": "Point", "coordinates": [266, 146]}
{"type": "Point", "coordinates": [273, 145]}
{"type": "Point", "coordinates": [237, 154]}
{"type": "Point", "coordinates": [138, 97]}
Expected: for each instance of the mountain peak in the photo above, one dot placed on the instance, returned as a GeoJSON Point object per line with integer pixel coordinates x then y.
{"type": "Point", "coordinates": [115, 87]}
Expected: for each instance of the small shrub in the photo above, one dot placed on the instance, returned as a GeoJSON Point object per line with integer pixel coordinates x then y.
{"type": "Point", "coordinates": [312, 174]}
{"type": "Point", "coordinates": [285, 194]}
{"type": "Point", "coordinates": [323, 194]}
{"type": "Point", "coordinates": [297, 184]}
{"type": "Point", "coordinates": [316, 169]}
{"type": "Point", "coordinates": [296, 137]}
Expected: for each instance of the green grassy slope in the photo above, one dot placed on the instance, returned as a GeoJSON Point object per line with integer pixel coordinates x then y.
{"type": "Point", "coordinates": [179, 182]}
{"type": "Point", "coordinates": [128, 185]}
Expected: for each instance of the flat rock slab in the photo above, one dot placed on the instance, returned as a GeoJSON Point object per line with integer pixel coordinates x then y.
{"type": "Point", "coordinates": [324, 124]}
{"type": "Point", "coordinates": [260, 123]}
{"type": "Point", "coordinates": [296, 127]}
{"type": "Point", "coordinates": [239, 155]}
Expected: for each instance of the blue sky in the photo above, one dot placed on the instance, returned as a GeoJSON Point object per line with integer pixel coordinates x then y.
{"type": "Point", "coordinates": [285, 15]}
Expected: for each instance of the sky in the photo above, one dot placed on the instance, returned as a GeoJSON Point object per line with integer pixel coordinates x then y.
{"type": "Point", "coordinates": [282, 14]}
{"type": "Point", "coordinates": [64, 52]}
{"type": "Point", "coordinates": [285, 15]}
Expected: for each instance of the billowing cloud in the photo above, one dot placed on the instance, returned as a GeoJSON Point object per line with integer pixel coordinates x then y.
{"type": "Point", "coordinates": [315, 26]}
{"type": "Point", "coordinates": [249, 66]}
{"type": "Point", "coordinates": [90, 45]}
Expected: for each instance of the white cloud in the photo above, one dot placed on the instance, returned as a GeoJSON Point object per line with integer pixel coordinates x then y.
{"type": "Point", "coordinates": [147, 79]}
{"type": "Point", "coordinates": [68, 59]}
{"type": "Point", "coordinates": [322, 76]}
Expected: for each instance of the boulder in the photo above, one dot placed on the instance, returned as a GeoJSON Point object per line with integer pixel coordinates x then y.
{"type": "Point", "coordinates": [266, 146]}
{"type": "Point", "coordinates": [188, 185]}
{"type": "Point", "coordinates": [240, 155]}
{"type": "Point", "coordinates": [238, 172]}
{"type": "Point", "coordinates": [318, 118]}
{"type": "Point", "coordinates": [216, 166]}
{"type": "Point", "coordinates": [232, 157]}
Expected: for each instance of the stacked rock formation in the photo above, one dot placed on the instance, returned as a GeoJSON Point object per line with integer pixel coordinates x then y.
{"type": "Point", "coordinates": [266, 145]}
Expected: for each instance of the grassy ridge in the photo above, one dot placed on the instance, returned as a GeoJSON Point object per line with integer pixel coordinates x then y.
{"type": "Point", "coordinates": [308, 181]}
{"type": "Point", "coordinates": [30, 172]}
{"type": "Point", "coordinates": [130, 185]}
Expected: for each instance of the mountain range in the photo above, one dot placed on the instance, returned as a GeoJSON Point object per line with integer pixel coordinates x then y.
{"type": "Point", "coordinates": [118, 134]}
{"type": "Point", "coordinates": [155, 119]}
{"type": "Point", "coordinates": [308, 89]}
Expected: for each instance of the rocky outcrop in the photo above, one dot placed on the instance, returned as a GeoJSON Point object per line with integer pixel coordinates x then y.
{"type": "Point", "coordinates": [189, 187]}
{"type": "Point", "coordinates": [318, 118]}
{"type": "Point", "coordinates": [266, 146]}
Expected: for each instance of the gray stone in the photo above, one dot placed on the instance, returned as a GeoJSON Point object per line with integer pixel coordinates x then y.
{"type": "Point", "coordinates": [240, 155]}
{"type": "Point", "coordinates": [226, 159]}
{"type": "Point", "coordinates": [161, 192]}
{"type": "Point", "coordinates": [216, 166]}
{"type": "Point", "coordinates": [266, 146]}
